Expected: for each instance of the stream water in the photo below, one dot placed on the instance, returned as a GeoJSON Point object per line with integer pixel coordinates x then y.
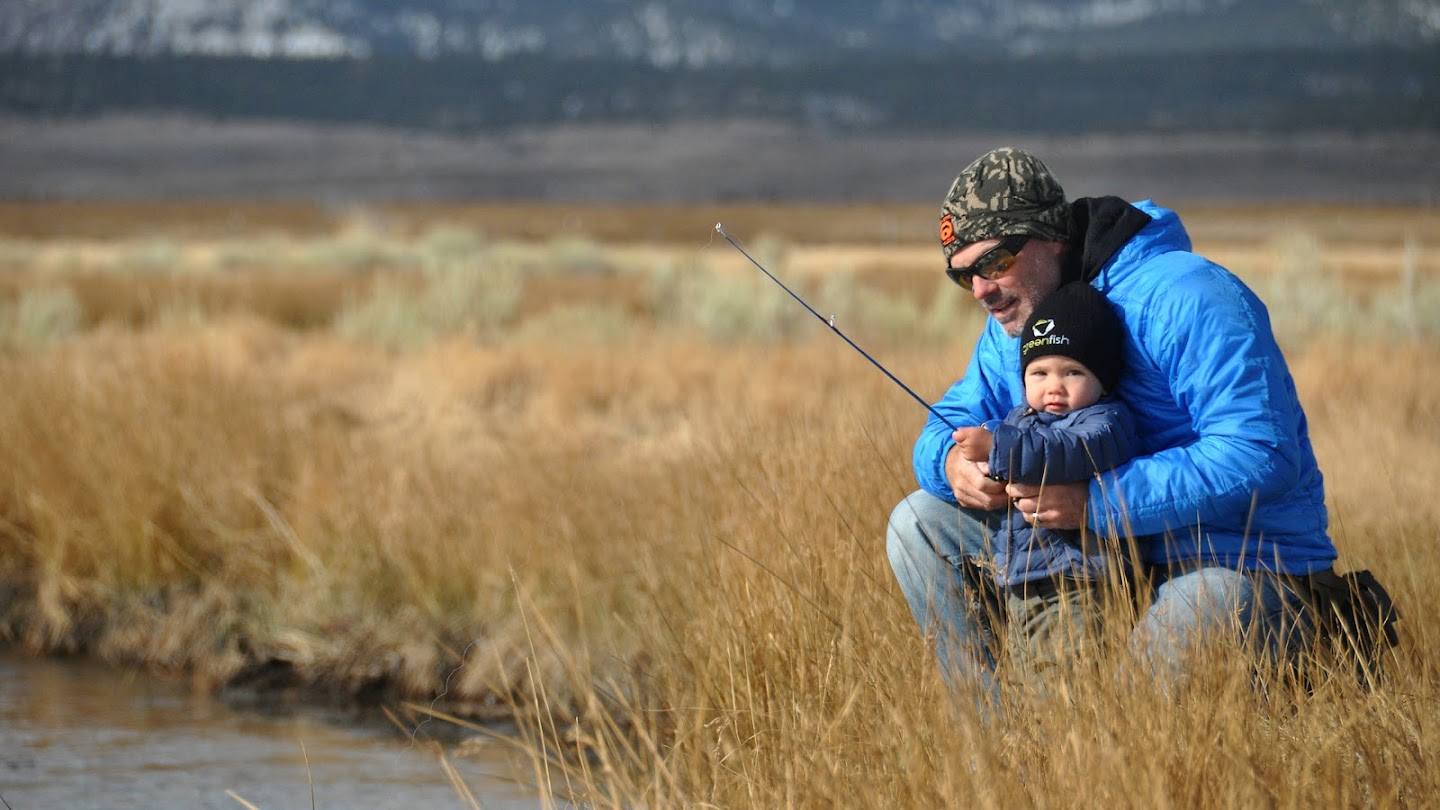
{"type": "Point", "coordinates": [77, 734]}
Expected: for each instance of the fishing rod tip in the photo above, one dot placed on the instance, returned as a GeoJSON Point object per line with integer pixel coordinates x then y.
{"type": "Point", "coordinates": [720, 229]}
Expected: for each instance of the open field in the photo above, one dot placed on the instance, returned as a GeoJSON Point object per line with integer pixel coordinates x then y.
{"type": "Point", "coordinates": [602, 479]}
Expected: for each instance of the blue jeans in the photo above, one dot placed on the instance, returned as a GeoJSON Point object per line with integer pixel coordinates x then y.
{"type": "Point", "coordinates": [1196, 604]}
{"type": "Point", "coordinates": [933, 546]}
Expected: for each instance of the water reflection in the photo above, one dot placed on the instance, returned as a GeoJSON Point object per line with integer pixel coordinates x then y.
{"type": "Point", "coordinates": [77, 734]}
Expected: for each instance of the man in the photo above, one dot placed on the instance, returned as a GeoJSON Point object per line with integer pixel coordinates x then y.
{"type": "Point", "coordinates": [1224, 490]}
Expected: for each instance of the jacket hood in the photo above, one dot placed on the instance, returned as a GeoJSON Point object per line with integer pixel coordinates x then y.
{"type": "Point", "coordinates": [1102, 226]}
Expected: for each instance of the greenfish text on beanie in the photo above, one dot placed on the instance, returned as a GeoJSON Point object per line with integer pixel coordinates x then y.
{"type": "Point", "coordinates": [1078, 322]}
{"type": "Point", "coordinates": [1003, 192]}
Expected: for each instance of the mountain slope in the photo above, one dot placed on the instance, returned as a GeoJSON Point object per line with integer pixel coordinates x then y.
{"type": "Point", "coordinates": [698, 33]}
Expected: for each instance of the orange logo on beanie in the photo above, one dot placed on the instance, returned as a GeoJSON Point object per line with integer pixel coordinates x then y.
{"type": "Point", "coordinates": [947, 231]}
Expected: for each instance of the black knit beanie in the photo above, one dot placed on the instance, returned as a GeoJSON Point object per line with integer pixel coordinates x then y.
{"type": "Point", "coordinates": [1076, 321]}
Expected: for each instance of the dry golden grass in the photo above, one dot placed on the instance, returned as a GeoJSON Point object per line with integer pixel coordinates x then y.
{"type": "Point", "coordinates": [662, 551]}
{"type": "Point", "coordinates": [890, 224]}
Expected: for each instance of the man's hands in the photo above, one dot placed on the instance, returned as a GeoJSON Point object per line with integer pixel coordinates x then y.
{"type": "Point", "coordinates": [970, 481]}
{"type": "Point", "coordinates": [1059, 506]}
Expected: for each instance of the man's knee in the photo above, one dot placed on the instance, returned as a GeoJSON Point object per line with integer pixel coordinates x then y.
{"type": "Point", "coordinates": [914, 522]}
{"type": "Point", "coordinates": [1204, 597]}
{"type": "Point", "coordinates": [925, 525]}
{"type": "Point", "coordinates": [1193, 606]}
{"type": "Point", "coordinates": [914, 560]}
{"type": "Point", "coordinates": [1214, 604]}
{"type": "Point", "coordinates": [1188, 609]}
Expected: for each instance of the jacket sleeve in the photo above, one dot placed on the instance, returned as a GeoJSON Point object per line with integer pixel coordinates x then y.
{"type": "Point", "coordinates": [1212, 339]}
{"type": "Point", "coordinates": [980, 396]}
{"type": "Point", "coordinates": [1097, 439]}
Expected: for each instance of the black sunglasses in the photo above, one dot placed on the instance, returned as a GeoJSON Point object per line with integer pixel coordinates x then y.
{"type": "Point", "coordinates": [992, 264]}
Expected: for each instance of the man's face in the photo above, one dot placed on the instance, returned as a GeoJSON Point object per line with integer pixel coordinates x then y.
{"type": "Point", "coordinates": [1011, 298]}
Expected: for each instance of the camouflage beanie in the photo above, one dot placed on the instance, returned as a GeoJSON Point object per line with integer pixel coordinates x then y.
{"type": "Point", "coordinates": [1005, 191]}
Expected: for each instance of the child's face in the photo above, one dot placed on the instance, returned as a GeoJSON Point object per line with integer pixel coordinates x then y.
{"type": "Point", "coordinates": [1058, 384]}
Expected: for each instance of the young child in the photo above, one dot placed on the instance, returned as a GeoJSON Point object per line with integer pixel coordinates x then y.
{"type": "Point", "coordinates": [1069, 430]}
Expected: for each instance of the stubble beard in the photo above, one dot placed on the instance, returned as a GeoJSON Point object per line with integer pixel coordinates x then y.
{"type": "Point", "coordinates": [1016, 323]}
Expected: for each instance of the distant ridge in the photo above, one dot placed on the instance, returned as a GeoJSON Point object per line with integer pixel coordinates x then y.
{"type": "Point", "coordinates": [178, 158]}
{"type": "Point", "coordinates": [1333, 100]}
{"type": "Point", "coordinates": [1371, 89]}
{"type": "Point", "coordinates": [1062, 66]}
{"type": "Point", "coordinates": [701, 33]}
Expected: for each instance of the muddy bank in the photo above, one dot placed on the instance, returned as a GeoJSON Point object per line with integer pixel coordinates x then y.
{"type": "Point", "coordinates": [247, 671]}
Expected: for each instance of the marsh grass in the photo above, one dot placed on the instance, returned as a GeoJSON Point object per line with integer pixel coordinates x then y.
{"type": "Point", "coordinates": [657, 546]}
{"type": "Point", "coordinates": [39, 316]}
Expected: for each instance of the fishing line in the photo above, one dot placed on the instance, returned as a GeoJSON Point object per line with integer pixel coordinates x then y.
{"type": "Point", "coordinates": [829, 322]}
{"type": "Point", "coordinates": [444, 690]}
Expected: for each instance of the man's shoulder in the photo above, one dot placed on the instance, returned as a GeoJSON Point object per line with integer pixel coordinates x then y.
{"type": "Point", "coordinates": [1174, 275]}
{"type": "Point", "coordinates": [1159, 262]}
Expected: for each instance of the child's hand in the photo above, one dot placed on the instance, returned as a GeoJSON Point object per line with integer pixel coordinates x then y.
{"type": "Point", "coordinates": [974, 443]}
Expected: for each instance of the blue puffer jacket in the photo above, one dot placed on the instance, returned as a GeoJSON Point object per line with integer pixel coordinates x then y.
{"type": "Point", "coordinates": [1033, 447]}
{"type": "Point", "coordinates": [1225, 472]}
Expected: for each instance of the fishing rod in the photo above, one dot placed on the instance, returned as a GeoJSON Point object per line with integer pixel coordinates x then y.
{"type": "Point", "coordinates": [830, 322]}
